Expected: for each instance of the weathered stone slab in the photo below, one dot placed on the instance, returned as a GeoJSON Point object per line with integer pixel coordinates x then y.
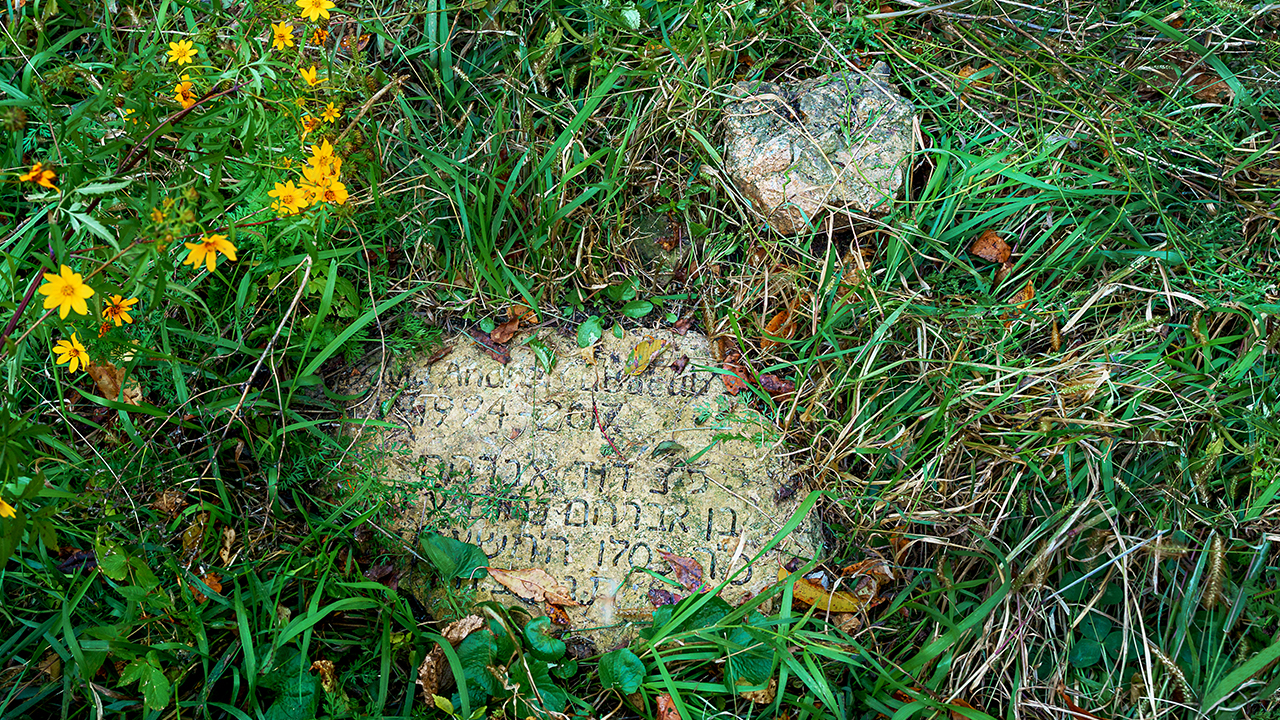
{"type": "Point", "coordinates": [588, 471]}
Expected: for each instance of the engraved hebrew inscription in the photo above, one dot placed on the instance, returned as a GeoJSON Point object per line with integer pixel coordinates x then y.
{"type": "Point", "coordinates": [562, 469]}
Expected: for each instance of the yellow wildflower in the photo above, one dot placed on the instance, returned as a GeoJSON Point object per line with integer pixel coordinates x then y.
{"type": "Point", "coordinates": [321, 154]}
{"type": "Point", "coordinates": [6, 510]}
{"type": "Point", "coordinates": [183, 92]}
{"type": "Point", "coordinates": [118, 309]}
{"type": "Point", "coordinates": [71, 352]}
{"type": "Point", "coordinates": [319, 36]}
{"type": "Point", "coordinates": [40, 175]}
{"type": "Point", "coordinates": [282, 35]}
{"type": "Point", "coordinates": [182, 52]}
{"type": "Point", "coordinates": [310, 191]}
{"type": "Point", "coordinates": [320, 176]}
{"type": "Point", "coordinates": [206, 251]}
{"type": "Point", "coordinates": [157, 216]}
{"type": "Point", "coordinates": [289, 198]}
{"type": "Point", "coordinates": [335, 192]}
{"type": "Point", "coordinates": [66, 291]}
{"type": "Point", "coordinates": [315, 9]}
{"type": "Point", "coordinates": [309, 74]}
{"type": "Point", "coordinates": [331, 113]}
{"type": "Point", "coordinates": [309, 124]}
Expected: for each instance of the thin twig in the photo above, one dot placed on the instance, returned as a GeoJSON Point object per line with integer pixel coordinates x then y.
{"type": "Point", "coordinates": [364, 109]}
{"type": "Point", "coordinates": [266, 352]}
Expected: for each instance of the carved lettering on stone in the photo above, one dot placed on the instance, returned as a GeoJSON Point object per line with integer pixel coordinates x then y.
{"type": "Point", "coordinates": [525, 464]}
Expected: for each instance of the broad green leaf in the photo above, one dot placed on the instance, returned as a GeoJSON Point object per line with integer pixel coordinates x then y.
{"type": "Point", "coordinates": [1085, 653]}
{"type": "Point", "coordinates": [538, 696]}
{"type": "Point", "coordinates": [589, 331]}
{"type": "Point", "coordinates": [621, 670]}
{"type": "Point", "coordinates": [637, 308]}
{"type": "Point", "coordinates": [538, 639]}
{"type": "Point", "coordinates": [454, 558]}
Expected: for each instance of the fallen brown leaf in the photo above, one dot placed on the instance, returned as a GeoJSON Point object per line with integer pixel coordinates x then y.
{"type": "Point", "coordinates": [763, 696]}
{"type": "Point", "coordinates": [228, 540]}
{"type": "Point", "coordinates": [687, 571]}
{"type": "Point", "coordinates": [775, 385]}
{"type": "Point", "coordinates": [523, 313]}
{"type": "Point", "coordinates": [734, 382]}
{"type": "Point", "coordinates": [503, 333]}
{"type": "Point", "coordinates": [385, 574]}
{"type": "Point", "coordinates": [991, 247]}
{"type": "Point", "coordinates": [779, 326]}
{"type": "Point", "coordinates": [662, 596]}
{"type": "Point", "coordinates": [438, 354]}
{"type": "Point", "coordinates": [110, 379]}
{"type": "Point", "coordinates": [169, 502]}
{"type": "Point", "coordinates": [667, 708]}
{"type": "Point", "coordinates": [328, 674]}
{"type": "Point", "coordinates": [458, 630]}
{"type": "Point", "coordinates": [495, 351]}
{"type": "Point", "coordinates": [557, 614]}
{"type": "Point", "coordinates": [680, 364]}
{"type": "Point", "coordinates": [682, 326]}
{"type": "Point", "coordinates": [533, 584]}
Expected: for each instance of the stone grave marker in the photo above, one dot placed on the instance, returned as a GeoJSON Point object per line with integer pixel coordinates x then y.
{"type": "Point", "coordinates": [588, 471]}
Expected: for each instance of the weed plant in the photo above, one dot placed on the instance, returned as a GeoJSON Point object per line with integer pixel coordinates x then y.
{"type": "Point", "coordinates": [212, 211]}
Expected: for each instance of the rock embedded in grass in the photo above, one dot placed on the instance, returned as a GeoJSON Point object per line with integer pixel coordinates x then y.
{"type": "Point", "coordinates": [588, 472]}
{"type": "Point", "coordinates": [838, 143]}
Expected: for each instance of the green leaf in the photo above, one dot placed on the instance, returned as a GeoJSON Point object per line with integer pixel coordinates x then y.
{"type": "Point", "coordinates": [667, 447]}
{"type": "Point", "coordinates": [589, 331]}
{"type": "Point", "coordinates": [477, 653]}
{"type": "Point", "coordinates": [1237, 678]}
{"type": "Point", "coordinates": [443, 704]}
{"type": "Point", "coordinates": [1095, 627]}
{"type": "Point", "coordinates": [1085, 653]}
{"type": "Point", "coordinates": [750, 661]}
{"type": "Point", "coordinates": [454, 558]}
{"type": "Point", "coordinates": [150, 678]}
{"type": "Point", "coordinates": [621, 670]}
{"type": "Point", "coordinates": [537, 637]}
{"type": "Point", "coordinates": [545, 356]}
{"type": "Point", "coordinates": [549, 698]}
{"type": "Point", "coordinates": [1114, 644]}
{"type": "Point", "coordinates": [617, 331]}
{"type": "Point", "coordinates": [486, 325]}
{"type": "Point", "coordinates": [114, 563]}
{"type": "Point", "coordinates": [564, 671]}
{"type": "Point", "coordinates": [99, 188]}
{"type": "Point", "coordinates": [637, 308]}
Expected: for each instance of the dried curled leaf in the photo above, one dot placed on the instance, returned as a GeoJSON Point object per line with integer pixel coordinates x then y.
{"type": "Point", "coordinates": [110, 380]}
{"type": "Point", "coordinates": [557, 614]}
{"type": "Point", "coordinates": [687, 571]}
{"type": "Point", "coordinates": [779, 326]}
{"type": "Point", "coordinates": [503, 333]}
{"type": "Point", "coordinates": [495, 351]}
{"type": "Point", "coordinates": [643, 353]}
{"type": "Point", "coordinates": [1024, 296]}
{"type": "Point", "coordinates": [775, 385]}
{"type": "Point", "coordinates": [991, 247]}
{"type": "Point", "coordinates": [667, 709]}
{"type": "Point", "coordinates": [855, 591]}
{"type": "Point", "coordinates": [533, 584]}
{"type": "Point", "coordinates": [733, 381]}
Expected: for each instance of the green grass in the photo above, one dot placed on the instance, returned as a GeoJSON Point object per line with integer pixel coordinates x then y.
{"type": "Point", "coordinates": [1079, 497]}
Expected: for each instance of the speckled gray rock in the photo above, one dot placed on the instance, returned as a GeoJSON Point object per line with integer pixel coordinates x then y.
{"type": "Point", "coordinates": [841, 142]}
